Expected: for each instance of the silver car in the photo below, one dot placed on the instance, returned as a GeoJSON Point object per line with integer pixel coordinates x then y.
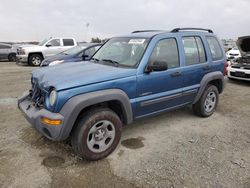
{"type": "Point", "coordinates": [7, 52]}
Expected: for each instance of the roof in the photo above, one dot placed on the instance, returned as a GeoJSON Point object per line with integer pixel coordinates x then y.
{"type": "Point", "coordinates": [151, 33]}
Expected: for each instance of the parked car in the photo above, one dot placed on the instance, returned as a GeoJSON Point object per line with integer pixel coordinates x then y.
{"type": "Point", "coordinates": [128, 78]}
{"type": "Point", "coordinates": [34, 54]}
{"type": "Point", "coordinates": [7, 52]}
{"type": "Point", "coordinates": [78, 53]}
{"type": "Point", "coordinates": [240, 68]}
{"type": "Point", "coordinates": [233, 54]}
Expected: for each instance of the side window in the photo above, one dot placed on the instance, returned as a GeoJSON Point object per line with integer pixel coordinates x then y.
{"type": "Point", "coordinates": [166, 50]}
{"type": "Point", "coordinates": [54, 42]}
{"type": "Point", "coordinates": [194, 50]}
{"type": "Point", "coordinates": [90, 52]}
{"type": "Point", "coordinates": [201, 50]}
{"type": "Point", "coordinates": [2, 46]}
{"type": "Point", "coordinates": [215, 48]}
{"type": "Point", "coordinates": [68, 42]}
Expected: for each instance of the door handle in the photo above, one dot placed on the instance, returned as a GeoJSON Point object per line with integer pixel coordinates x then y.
{"type": "Point", "coordinates": [206, 68]}
{"type": "Point", "coordinates": [175, 74]}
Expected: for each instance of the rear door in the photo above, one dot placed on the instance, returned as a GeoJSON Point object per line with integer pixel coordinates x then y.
{"type": "Point", "coordinates": [196, 65]}
{"type": "Point", "coordinates": [160, 90]}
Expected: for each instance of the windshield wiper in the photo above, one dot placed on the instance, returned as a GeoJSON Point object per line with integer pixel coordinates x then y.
{"type": "Point", "coordinates": [95, 59]}
{"type": "Point", "coordinates": [112, 61]}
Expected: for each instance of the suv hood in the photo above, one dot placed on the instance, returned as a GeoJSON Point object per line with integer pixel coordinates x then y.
{"type": "Point", "coordinates": [243, 43]}
{"type": "Point", "coordinates": [77, 74]}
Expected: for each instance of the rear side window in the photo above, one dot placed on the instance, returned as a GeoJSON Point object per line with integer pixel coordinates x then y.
{"type": "Point", "coordinates": [166, 50]}
{"type": "Point", "coordinates": [2, 46]}
{"type": "Point", "coordinates": [68, 42]}
{"type": "Point", "coordinates": [194, 50]}
{"type": "Point", "coordinates": [215, 48]}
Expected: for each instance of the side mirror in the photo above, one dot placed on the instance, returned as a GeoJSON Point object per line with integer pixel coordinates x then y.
{"type": "Point", "coordinates": [85, 57]}
{"type": "Point", "coordinates": [48, 45]}
{"type": "Point", "coordinates": [157, 66]}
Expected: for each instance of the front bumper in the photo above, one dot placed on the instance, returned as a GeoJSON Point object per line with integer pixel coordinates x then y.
{"type": "Point", "coordinates": [237, 73]}
{"type": "Point", "coordinates": [34, 114]}
{"type": "Point", "coordinates": [22, 58]}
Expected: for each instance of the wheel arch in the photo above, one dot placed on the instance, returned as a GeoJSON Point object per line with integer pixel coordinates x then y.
{"type": "Point", "coordinates": [32, 53]}
{"type": "Point", "coordinates": [114, 99]}
{"type": "Point", "coordinates": [213, 78]}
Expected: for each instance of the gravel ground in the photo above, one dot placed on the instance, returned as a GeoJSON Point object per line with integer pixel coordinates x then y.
{"type": "Point", "coordinates": [175, 149]}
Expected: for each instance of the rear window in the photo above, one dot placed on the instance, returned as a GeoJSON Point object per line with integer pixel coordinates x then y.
{"type": "Point", "coordinates": [68, 42]}
{"type": "Point", "coordinates": [215, 48]}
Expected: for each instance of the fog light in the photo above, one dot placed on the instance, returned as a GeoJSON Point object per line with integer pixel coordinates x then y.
{"type": "Point", "coordinates": [53, 122]}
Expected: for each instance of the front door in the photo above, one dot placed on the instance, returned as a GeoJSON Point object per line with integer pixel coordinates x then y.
{"type": "Point", "coordinates": [160, 90]}
{"type": "Point", "coordinates": [53, 47]}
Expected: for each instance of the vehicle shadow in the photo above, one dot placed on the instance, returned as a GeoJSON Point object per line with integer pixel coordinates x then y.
{"type": "Point", "coordinates": [238, 82]}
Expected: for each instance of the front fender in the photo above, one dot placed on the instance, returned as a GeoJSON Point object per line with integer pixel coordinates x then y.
{"type": "Point", "coordinates": [75, 105]}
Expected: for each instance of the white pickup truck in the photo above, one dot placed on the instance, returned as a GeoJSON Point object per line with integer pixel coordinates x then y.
{"type": "Point", "coordinates": [34, 54]}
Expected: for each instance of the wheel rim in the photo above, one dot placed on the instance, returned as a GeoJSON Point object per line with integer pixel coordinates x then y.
{"type": "Point", "coordinates": [101, 136]}
{"type": "Point", "coordinates": [12, 58]}
{"type": "Point", "coordinates": [210, 101]}
{"type": "Point", "coordinates": [36, 60]}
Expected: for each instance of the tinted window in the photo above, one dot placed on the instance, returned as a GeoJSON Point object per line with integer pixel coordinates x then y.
{"type": "Point", "coordinates": [68, 42]}
{"type": "Point", "coordinates": [215, 48]}
{"type": "Point", "coordinates": [90, 52]}
{"type": "Point", "coordinates": [54, 42]}
{"type": "Point", "coordinates": [166, 50]}
{"type": "Point", "coordinates": [194, 50]}
{"type": "Point", "coordinates": [2, 46]}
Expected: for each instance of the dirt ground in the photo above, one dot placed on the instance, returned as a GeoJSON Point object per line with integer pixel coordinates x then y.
{"type": "Point", "coordinates": [175, 149]}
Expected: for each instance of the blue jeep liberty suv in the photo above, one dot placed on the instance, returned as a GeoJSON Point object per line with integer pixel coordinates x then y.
{"type": "Point", "coordinates": [129, 77]}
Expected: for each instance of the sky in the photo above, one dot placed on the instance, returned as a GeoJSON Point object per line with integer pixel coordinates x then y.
{"type": "Point", "coordinates": [35, 20]}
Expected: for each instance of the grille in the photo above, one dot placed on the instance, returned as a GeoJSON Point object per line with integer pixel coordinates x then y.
{"type": "Point", "coordinates": [37, 95]}
{"type": "Point", "coordinates": [233, 54]}
{"type": "Point", "coordinates": [241, 66]}
{"type": "Point", "coordinates": [18, 51]}
{"type": "Point", "coordinates": [240, 74]}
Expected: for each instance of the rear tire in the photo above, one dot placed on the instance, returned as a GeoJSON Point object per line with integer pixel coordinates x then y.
{"type": "Point", "coordinates": [207, 103]}
{"type": "Point", "coordinates": [96, 134]}
{"type": "Point", "coordinates": [35, 60]}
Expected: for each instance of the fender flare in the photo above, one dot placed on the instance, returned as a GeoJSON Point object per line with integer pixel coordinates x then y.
{"type": "Point", "coordinates": [217, 75]}
{"type": "Point", "coordinates": [76, 104]}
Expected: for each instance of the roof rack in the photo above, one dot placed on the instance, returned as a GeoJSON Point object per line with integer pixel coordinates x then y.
{"type": "Point", "coordinates": [187, 28]}
{"type": "Point", "coordinates": [140, 31]}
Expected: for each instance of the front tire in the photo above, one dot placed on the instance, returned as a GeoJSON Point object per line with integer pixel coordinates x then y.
{"type": "Point", "coordinates": [96, 134]}
{"type": "Point", "coordinates": [207, 104]}
{"type": "Point", "coordinates": [35, 60]}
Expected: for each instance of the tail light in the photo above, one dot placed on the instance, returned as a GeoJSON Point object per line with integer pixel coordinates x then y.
{"type": "Point", "coordinates": [225, 68]}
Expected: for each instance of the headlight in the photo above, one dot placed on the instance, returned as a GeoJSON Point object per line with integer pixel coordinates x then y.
{"type": "Point", "coordinates": [52, 97]}
{"type": "Point", "coordinates": [21, 51]}
{"type": "Point", "coordinates": [56, 62]}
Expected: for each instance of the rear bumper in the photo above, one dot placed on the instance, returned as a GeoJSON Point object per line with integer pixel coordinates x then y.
{"type": "Point", "coordinates": [21, 58]}
{"type": "Point", "coordinates": [34, 114]}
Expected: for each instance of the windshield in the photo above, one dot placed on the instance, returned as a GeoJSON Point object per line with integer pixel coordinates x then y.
{"type": "Point", "coordinates": [122, 51]}
{"type": "Point", "coordinates": [42, 42]}
{"type": "Point", "coordinates": [74, 50]}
